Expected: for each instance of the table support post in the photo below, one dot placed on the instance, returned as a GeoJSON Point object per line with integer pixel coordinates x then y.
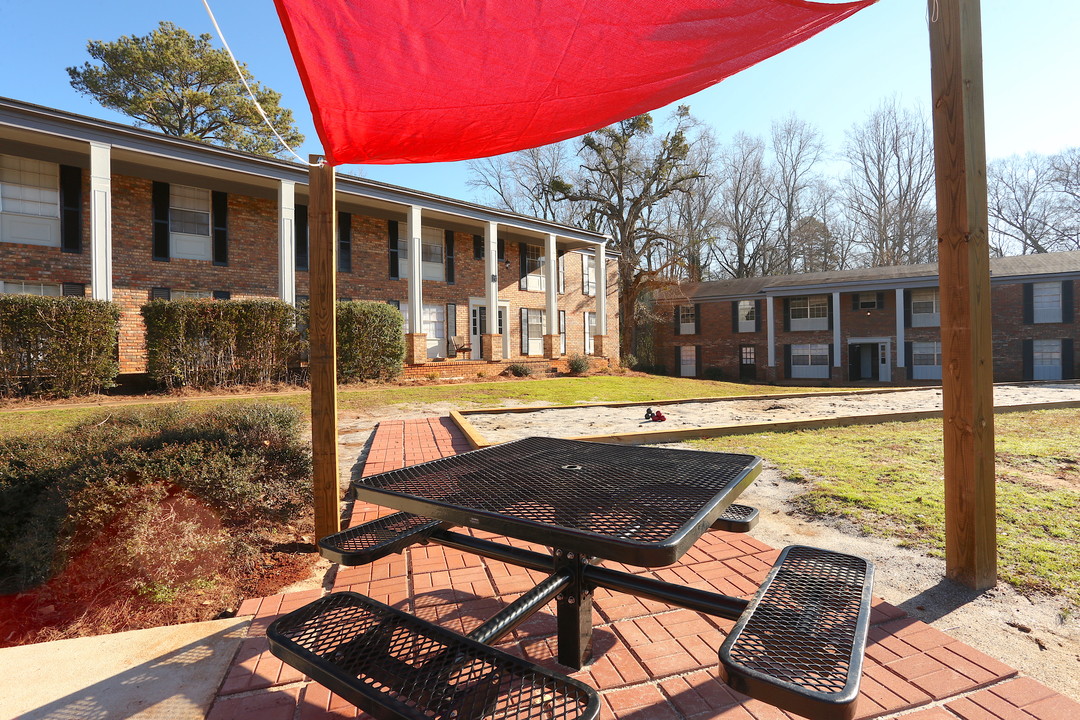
{"type": "Point", "coordinates": [575, 614]}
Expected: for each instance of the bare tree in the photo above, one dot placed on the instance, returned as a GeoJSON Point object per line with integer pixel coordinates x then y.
{"type": "Point", "coordinates": [1067, 183]}
{"type": "Point", "coordinates": [797, 148]}
{"type": "Point", "coordinates": [821, 239]}
{"type": "Point", "coordinates": [521, 182]}
{"type": "Point", "coordinates": [1027, 213]}
{"type": "Point", "coordinates": [889, 188]}
{"type": "Point", "coordinates": [693, 218]}
{"type": "Point", "coordinates": [747, 213]}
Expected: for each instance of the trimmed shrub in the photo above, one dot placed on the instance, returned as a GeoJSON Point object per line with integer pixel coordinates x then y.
{"type": "Point", "coordinates": [578, 364]}
{"type": "Point", "coordinates": [56, 346]}
{"type": "Point", "coordinates": [518, 370]}
{"type": "Point", "coordinates": [370, 343]}
{"type": "Point", "coordinates": [629, 362]}
{"type": "Point", "coordinates": [713, 373]}
{"type": "Point", "coordinates": [216, 343]}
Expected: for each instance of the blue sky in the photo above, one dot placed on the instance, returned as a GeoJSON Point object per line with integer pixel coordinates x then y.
{"type": "Point", "coordinates": [1031, 59]}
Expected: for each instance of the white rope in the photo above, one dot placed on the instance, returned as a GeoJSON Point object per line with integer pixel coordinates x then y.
{"type": "Point", "coordinates": [935, 15]}
{"type": "Point", "coordinates": [240, 74]}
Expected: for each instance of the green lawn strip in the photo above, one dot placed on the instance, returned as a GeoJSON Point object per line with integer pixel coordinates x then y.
{"type": "Point", "coordinates": [888, 480]}
{"type": "Point", "coordinates": [560, 391]}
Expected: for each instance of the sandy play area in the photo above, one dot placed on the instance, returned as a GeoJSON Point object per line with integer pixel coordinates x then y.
{"type": "Point", "coordinates": [606, 420]}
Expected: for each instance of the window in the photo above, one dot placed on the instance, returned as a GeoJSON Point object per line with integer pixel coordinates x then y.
{"type": "Point", "coordinates": [562, 332]}
{"type": "Point", "coordinates": [533, 325]}
{"type": "Point", "coordinates": [926, 361]}
{"type": "Point", "coordinates": [687, 361]}
{"type": "Point", "coordinates": [925, 311]}
{"type": "Point", "coordinates": [1046, 358]}
{"type": "Point", "coordinates": [29, 201]}
{"type": "Point", "coordinates": [810, 361]}
{"type": "Point", "coordinates": [432, 325]}
{"type": "Point", "coordinates": [747, 316]}
{"type": "Point", "coordinates": [866, 301]}
{"type": "Point", "coordinates": [189, 222]}
{"type": "Point", "coordinates": [687, 320]}
{"type": "Point", "coordinates": [590, 330]}
{"type": "Point", "coordinates": [1046, 302]}
{"type": "Point", "coordinates": [189, 294]}
{"type": "Point", "coordinates": [809, 313]}
{"type": "Point", "coordinates": [432, 255]}
{"type": "Point", "coordinates": [533, 267]}
{"type": "Point", "coordinates": [18, 287]}
{"type": "Point", "coordinates": [588, 274]}
{"type": "Point", "coordinates": [747, 356]}
{"type": "Point", "coordinates": [222, 295]}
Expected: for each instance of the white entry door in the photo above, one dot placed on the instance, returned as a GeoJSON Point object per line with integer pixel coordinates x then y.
{"type": "Point", "coordinates": [478, 326]}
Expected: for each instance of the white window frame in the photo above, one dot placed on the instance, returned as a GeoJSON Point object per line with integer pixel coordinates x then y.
{"type": "Point", "coordinates": [432, 325]}
{"type": "Point", "coordinates": [534, 268]}
{"type": "Point", "coordinates": [189, 294]}
{"type": "Point", "coordinates": [1046, 360]}
{"type": "Point", "coordinates": [588, 275]}
{"type": "Point", "coordinates": [562, 332]}
{"type": "Point", "coordinates": [687, 360]}
{"type": "Point", "coordinates": [29, 201]}
{"type": "Point", "coordinates": [21, 287]}
{"type": "Point", "coordinates": [810, 360]}
{"type": "Point", "coordinates": [867, 301]}
{"type": "Point", "coordinates": [926, 360]}
{"type": "Point", "coordinates": [747, 311]}
{"type": "Point", "coordinates": [687, 320]}
{"type": "Point", "coordinates": [432, 245]}
{"type": "Point", "coordinates": [590, 331]}
{"type": "Point", "coordinates": [1046, 299]}
{"type": "Point", "coordinates": [927, 298]}
{"type": "Point", "coordinates": [197, 202]}
{"type": "Point", "coordinates": [809, 312]}
{"type": "Point", "coordinates": [533, 328]}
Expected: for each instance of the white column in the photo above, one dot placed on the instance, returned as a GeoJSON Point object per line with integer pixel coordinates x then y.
{"type": "Point", "coordinates": [101, 221]}
{"type": "Point", "coordinates": [836, 328]}
{"type": "Point", "coordinates": [287, 241]}
{"type": "Point", "coordinates": [770, 330]}
{"type": "Point", "coordinates": [551, 285]}
{"type": "Point", "coordinates": [600, 284]}
{"type": "Point", "coordinates": [491, 265]}
{"type": "Point", "coordinates": [900, 353]}
{"type": "Point", "coordinates": [416, 271]}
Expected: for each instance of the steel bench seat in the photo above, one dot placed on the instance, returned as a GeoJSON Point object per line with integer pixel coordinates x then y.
{"type": "Point", "coordinates": [736, 519]}
{"type": "Point", "coordinates": [366, 543]}
{"type": "Point", "coordinates": [799, 645]}
{"type": "Point", "coordinates": [393, 666]}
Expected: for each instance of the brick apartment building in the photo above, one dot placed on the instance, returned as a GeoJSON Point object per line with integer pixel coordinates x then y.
{"type": "Point", "coordinates": [94, 208]}
{"type": "Point", "coordinates": [877, 325]}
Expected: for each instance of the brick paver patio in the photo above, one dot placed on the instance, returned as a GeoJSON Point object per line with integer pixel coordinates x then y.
{"type": "Point", "coordinates": [653, 661]}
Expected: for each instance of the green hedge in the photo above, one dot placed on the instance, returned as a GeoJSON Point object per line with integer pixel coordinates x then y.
{"type": "Point", "coordinates": [56, 346]}
{"type": "Point", "coordinates": [208, 343]}
{"type": "Point", "coordinates": [370, 344]}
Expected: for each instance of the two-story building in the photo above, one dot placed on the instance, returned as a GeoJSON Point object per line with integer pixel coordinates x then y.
{"type": "Point", "coordinates": [99, 209]}
{"type": "Point", "coordinates": [877, 325]}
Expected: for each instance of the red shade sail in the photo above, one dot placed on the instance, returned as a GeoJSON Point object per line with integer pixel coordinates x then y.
{"type": "Point", "coordinates": [407, 81]}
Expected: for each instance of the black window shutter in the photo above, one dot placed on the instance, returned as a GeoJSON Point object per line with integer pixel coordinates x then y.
{"type": "Point", "coordinates": [854, 301]}
{"type": "Point", "coordinates": [698, 369]}
{"type": "Point", "coordinates": [500, 249]}
{"type": "Point", "coordinates": [478, 247]}
{"type": "Point", "coordinates": [1067, 301]}
{"type": "Point", "coordinates": [830, 306]}
{"type": "Point", "coordinates": [160, 199]}
{"type": "Point", "coordinates": [757, 315]}
{"type": "Point", "coordinates": [908, 357]}
{"type": "Point", "coordinates": [881, 301]}
{"type": "Point", "coordinates": [222, 295]}
{"type": "Point", "coordinates": [524, 330]}
{"type": "Point", "coordinates": [219, 210]}
{"type": "Point", "coordinates": [1029, 305]}
{"type": "Point", "coordinates": [734, 316]}
{"type": "Point", "coordinates": [907, 308]}
{"type": "Point", "coordinates": [831, 358]}
{"type": "Point", "coordinates": [787, 314]}
{"type": "Point", "coordinates": [560, 271]}
{"type": "Point", "coordinates": [344, 242]}
{"type": "Point", "coordinates": [697, 318]}
{"type": "Point", "coordinates": [522, 266]}
{"type": "Point", "coordinates": [301, 249]}
{"type": "Point", "coordinates": [449, 257]}
{"type": "Point", "coordinates": [677, 367]}
{"type": "Point", "coordinates": [392, 242]}
{"type": "Point", "coordinates": [1029, 359]}
{"type": "Point", "coordinates": [678, 327]}
{"type": "Point", "coordinates": [70, 209]}
{"type": "Point", "coordinates": [73, 289]}
{"type": "Point", "coordinates": [160, 293]}
{"type": "Point", "coordinates": [787, 361]}
{"type": "Point", "coordinates": [1068, 362]}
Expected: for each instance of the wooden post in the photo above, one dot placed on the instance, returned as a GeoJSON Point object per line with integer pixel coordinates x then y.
{"type": "Point", "coordinates": [964, 265]}
{"type": "Point", "coordinates": [322, 329]}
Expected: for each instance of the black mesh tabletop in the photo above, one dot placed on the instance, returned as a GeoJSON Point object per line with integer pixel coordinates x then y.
{"type": "Point", "coordinates": [642, 506]}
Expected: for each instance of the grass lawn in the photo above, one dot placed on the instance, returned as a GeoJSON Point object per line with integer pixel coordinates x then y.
{"type": "Point", "coordinates": [888, 480]}
{"type": "Point", "coordinates": [559, 391]}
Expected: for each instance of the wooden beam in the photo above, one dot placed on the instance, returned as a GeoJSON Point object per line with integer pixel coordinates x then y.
{"type": "Point", "coordinates": [322, 334]}
{"type": "Point", "coordinates": [964, 264]}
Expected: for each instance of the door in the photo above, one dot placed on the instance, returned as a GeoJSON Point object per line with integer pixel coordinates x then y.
{"type": "Point", "coordinates": [687, 361]}
{"type": "Point", "coordinates": [478, 325]}
{"type": "Point", "coordinates": [747, 362]}
{"type": "Point", "coordinates": [884, 373]}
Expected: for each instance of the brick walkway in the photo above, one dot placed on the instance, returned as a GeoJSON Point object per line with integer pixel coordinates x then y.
{"type": "Point", "coordinates": [654, 662]}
